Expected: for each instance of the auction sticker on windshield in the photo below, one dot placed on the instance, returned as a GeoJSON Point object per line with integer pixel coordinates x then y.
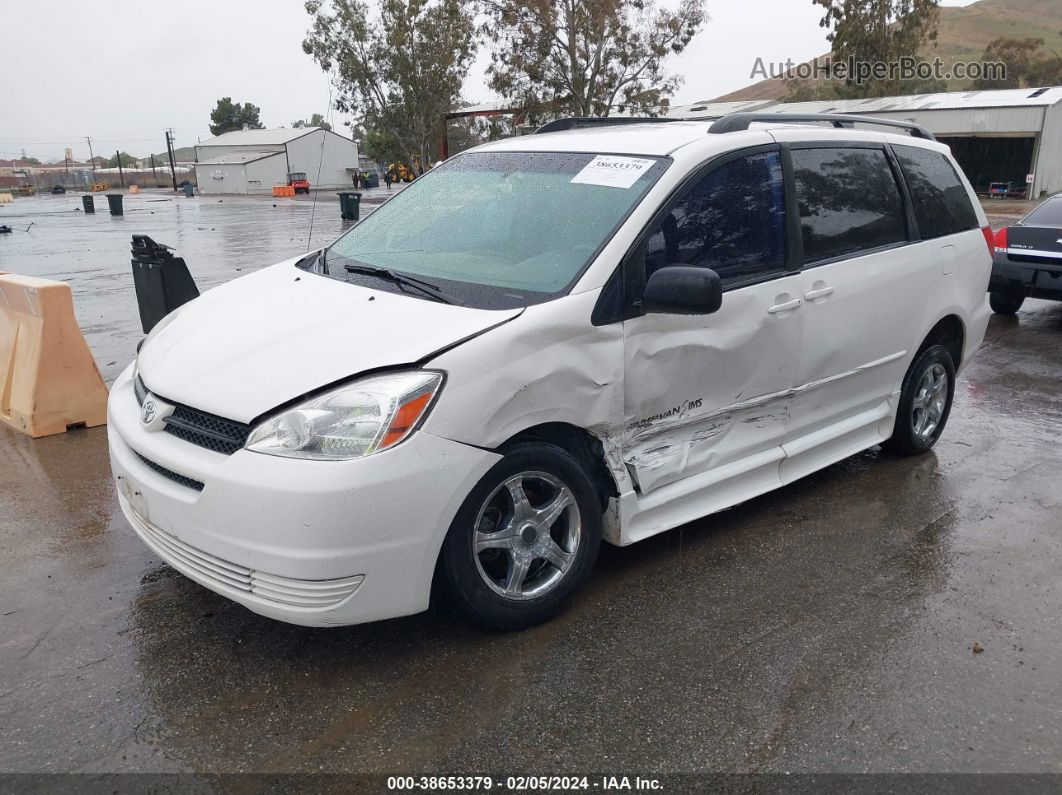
{"type": "Point", "coordinates": [613, 171]}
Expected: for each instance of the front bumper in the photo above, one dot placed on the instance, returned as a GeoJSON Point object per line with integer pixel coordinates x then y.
{"type": "Point", "coordinates": [317, 543]}
{"type": "Point", "coordinates": [1034, 279]}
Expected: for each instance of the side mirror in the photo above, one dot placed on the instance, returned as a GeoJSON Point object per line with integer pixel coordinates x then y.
{"type": "Point", "coordinates": [683, 290]}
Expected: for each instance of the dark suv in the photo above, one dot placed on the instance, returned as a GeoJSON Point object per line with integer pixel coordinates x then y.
{"type": "Point", "coordinates": [1028, 259]}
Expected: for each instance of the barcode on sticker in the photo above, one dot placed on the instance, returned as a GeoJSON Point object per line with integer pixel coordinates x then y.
{"type": "Point", "coordinates": [613, 171]}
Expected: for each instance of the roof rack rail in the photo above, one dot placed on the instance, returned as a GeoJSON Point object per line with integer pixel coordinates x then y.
{"type": "Point", "coordinates": [734, 122]}
{"type": "Point", "coordinates": [579, 122]}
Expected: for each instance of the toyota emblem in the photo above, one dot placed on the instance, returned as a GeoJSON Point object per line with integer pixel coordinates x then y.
{"type": "Point", "coordinates": [148, 411]}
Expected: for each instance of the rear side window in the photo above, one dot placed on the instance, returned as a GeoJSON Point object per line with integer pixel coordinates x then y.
{"type": "Point", "coordinates": [941, 203]}
{"type": "Point", "coordinates": [732, 221]}
{"type": "Point", "coordinates": [1047, 214]}
{"type": "Point", "coordinates": [849, 202]}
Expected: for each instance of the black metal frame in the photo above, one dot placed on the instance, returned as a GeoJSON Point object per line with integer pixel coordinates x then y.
{"type": "Point", "coordinates": [579, 122]}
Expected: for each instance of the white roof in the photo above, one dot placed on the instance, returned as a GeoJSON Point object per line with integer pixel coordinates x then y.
{"type": "Point", "coordinates": [642, 139]}
{"type": "Point", "coordinates": [235, 158]}
{"type": "Point", "coordinates": [276, 137]}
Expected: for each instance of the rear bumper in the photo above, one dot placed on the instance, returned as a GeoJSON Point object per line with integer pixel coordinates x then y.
{"type": "Point", "coordinates": [1034, 279]}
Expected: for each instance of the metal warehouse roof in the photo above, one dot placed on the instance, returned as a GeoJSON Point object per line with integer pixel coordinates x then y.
{"type": "Point", "coordinates": [236, 158]}
{"type": "Point", "coordinates": [952, 100]}
{"type": "Point", "coordinates": [276, 137]}
{"type": "Point", "coordinates": [715, 110]}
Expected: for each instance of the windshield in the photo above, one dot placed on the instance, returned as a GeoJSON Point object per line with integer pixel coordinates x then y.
{"type": "Point", "coordinates": [497, 230]}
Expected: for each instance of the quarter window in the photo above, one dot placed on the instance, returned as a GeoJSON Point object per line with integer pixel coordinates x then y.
{"type": "Point", "coordinates": [941, 203]}
{"type": "Point", "coordinates": [732, 221]}
{"type": "Point", "coordinates": [849, 202]}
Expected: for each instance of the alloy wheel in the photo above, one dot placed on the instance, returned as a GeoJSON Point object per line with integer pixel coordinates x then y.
{"type": "Point", "coordinates": [929, 402]}
{"type": "Point", "coordinates": [526, 536]}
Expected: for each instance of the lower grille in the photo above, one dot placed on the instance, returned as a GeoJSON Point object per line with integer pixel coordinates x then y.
{"type": "Point", "coordinates": [214, 572]}
{"type": "Point", "coordinates": [169, 473]}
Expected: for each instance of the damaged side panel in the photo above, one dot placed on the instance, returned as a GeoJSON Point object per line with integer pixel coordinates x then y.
{"type": "Point", "coordinates": [706, 391]}
{"type": "Point", "coordinates": [565, 371]}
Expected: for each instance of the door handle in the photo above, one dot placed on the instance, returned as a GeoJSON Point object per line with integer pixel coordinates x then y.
{"type": "Point", "coordinates": [822, 292]}
{"type": "Point", "coordinates": [784, 307]}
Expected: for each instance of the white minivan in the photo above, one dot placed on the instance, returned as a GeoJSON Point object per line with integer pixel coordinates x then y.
{"type": "Point", "coordinates": [599, 332]}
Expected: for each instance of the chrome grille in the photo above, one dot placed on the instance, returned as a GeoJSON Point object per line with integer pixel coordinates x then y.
{"type": "Point", "coordinates": [214, 572]}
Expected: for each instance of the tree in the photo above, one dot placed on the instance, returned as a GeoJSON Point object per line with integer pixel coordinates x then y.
{"type": "Point", "coordinates": [399, 72]}
{"type": "Point", "coordinates": [587, 57]}
{"type": "Point", "coordinates": [1026, 62]}
{"type": "Point", "coordinates": [878, 31]}
{"type": "Point", "coordinates": [378, 145]}
{"type": "Point", "coordinates": [316, 120]}
{"type": "Point", "coordinates": [228, 116]}
{"type": "Point", "coordinates": [128, 161]}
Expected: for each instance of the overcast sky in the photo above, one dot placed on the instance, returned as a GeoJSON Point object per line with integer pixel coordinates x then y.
{"type": "Point", "coordinates": [125, 70]}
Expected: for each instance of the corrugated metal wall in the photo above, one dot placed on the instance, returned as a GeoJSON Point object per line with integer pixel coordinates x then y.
{"type": "Point", "coordinates": [337, 155]}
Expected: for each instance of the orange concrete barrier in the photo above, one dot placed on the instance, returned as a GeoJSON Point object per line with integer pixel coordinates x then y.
{"type": "Point", "coordinates": [283, 190]}
{"type": "Point", "coordinates": [48, 378]}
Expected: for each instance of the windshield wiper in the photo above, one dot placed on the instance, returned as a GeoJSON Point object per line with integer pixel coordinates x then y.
{"type": "Point", "coordinates": [426, 288]}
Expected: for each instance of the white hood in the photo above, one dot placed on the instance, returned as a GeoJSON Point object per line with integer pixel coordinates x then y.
{"type": "Point", "coordinates": [256, 342]}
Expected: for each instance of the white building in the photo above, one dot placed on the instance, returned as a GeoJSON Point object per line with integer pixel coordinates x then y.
{"type": "Point", "coordinates": [997, 136]}
{"type": "Point", "coordinates": [253, 161]}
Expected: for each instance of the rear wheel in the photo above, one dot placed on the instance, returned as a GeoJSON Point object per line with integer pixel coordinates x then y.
{"type": "Point", "coordinates": [524, 540]}
{"type": "Point", "coordinates": [1006, 302]}
{"type": "Point", "coordinates": [925, 402]}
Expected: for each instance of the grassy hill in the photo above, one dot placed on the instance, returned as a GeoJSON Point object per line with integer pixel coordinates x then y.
{"type": "Point", "coordinates": [962, 35]}
{"type": "Point", "coordinates": [182, 154]}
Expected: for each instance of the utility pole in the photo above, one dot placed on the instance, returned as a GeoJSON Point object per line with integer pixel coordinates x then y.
{"type": "Point", "coordinates": [169, 151]}
{"type": "Point", "coordinates": [154, 174]}
{"type": "Point", "coordinates": [92, 158]}
{"type": "Point", "coordinates": [121, 176]}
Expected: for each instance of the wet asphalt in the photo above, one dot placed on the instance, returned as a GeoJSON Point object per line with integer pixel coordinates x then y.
{"type": "Point", "coordinates": [884, 614]}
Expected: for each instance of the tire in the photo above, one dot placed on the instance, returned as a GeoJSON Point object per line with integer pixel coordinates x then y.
{"type": "Point", "coordinates": [486, 587]}
{"type": "Point", "coordinates": [925, 402]}
{"type": "Point", "coordinates": [1006, 302]}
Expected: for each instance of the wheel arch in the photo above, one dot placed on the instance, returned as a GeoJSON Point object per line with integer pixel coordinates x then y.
{"type": "Point", "coordinates": [949, 331]}
{"type": "Point", "coordinates": [587, 448]}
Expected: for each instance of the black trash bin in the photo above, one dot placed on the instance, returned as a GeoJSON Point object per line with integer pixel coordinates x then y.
{"type": "Point", "coordinates": [88, 203]}
{"type": "Point", "coordinates": [114, 202]}
{"type": "Point", "coordinates": [350, 205]}
{"type": "Point", "coordinates": [162, 281]}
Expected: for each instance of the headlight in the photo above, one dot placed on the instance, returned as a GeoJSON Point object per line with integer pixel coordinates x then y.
{"type": "Point", "coordinates": [355, 420]}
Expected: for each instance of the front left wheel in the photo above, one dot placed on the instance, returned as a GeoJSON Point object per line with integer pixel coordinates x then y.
{"type": "Point", "coordinates": [524, 539]}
